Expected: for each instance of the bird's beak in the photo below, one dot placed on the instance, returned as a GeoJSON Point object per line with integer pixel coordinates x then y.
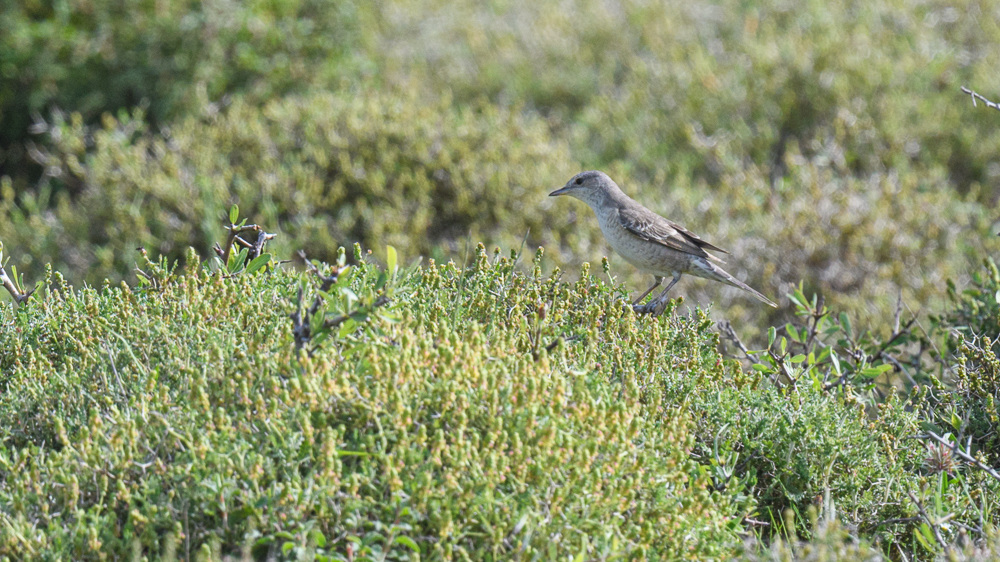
{"type": "Point", "coordinates": [561, 191]}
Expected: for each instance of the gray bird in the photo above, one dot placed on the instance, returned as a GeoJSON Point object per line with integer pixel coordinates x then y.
{"type": "Point", "coordinates": [648, 241]}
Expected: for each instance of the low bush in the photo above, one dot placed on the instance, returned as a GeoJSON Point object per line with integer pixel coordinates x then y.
{"type": "Point", "coordinates": [484, 413]}
{"type": "Point", "coordinates": [826, 143]}
{"type": "Point", "coordinates": [360, 165]}
{"type": "Point", "coordinates": [173, 57]}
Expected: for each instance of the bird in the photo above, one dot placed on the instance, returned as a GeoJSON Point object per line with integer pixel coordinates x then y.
{"type": "Point", "coordinates": [648, 241]}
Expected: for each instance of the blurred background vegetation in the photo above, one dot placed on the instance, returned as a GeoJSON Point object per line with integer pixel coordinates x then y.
{"type": "Point", "coordinates": [823, 142]}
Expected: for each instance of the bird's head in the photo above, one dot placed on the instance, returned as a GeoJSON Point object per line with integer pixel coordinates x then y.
{"type": "Point", "coordinates": [591, 187]}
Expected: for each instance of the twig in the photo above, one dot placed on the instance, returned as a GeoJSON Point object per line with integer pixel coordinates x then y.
{"type": "Point", "coordinates": [899, 311]}
{"type": "Point", "coordinates": [11, 287]}
{"type": "Point", "coordinates": [961, 453]}
{"type": "Point", "coordinates": [726, 329]}
{"type": "Point", "coordinates": [779, 360]}
{"type": "Point", "coordinates": [927, 518]}
{"type": "Point", "coordinates": [976, 96]}
{"type": "Point", "coordinates": [897, 333]}
{"type": "Point", "coordinates": [338, 320]}
{"type": "Point", "coordinates": [301, 331]}
{"type": "Point", "coordinates": [897, 520]}
{"type": "Point", "coordinates": [233, 236]}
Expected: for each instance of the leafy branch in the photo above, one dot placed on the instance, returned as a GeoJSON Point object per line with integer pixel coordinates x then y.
{"type": "Point", "coordinates": [824, 348]}
{"type": "Point", "coordinates": [13, 282]}
{"type": "Point", "coordinates": [314, 325]}
{"type": "Point", "coordinates": [251, 254]}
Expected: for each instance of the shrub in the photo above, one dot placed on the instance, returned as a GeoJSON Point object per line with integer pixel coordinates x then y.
{"type": "Point", "coordinates": [663, 85]}
{"type": "Point", "coordinates": [820, 142]}
{"type": "Point", "coordinates": [321, 169]}
{"type": "Point", "coordinates": [487, 413]}
{"type": "Point", "coordinates": [173, 57]}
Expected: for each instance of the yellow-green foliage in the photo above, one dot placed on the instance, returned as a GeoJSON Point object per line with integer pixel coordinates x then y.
{"type": "Point", "coordinates": [821, 142]}
{"type": "Point", "coordinates": [148, 421]}
{"type": "Point", "coordinates": [172, 56]}
{"type": "Point", "coordinates": [361, 166]}
{"type": "Point", "coordinates": [818, 141]}
{"type": "Point", "coordinates": [486, 412]}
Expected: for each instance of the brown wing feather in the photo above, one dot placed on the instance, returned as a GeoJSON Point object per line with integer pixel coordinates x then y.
{"type": "Point", "coordinates": [652, 227]}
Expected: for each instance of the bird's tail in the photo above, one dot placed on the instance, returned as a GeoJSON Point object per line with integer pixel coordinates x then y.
{"type": "Point", "coordinates": [720, 274]}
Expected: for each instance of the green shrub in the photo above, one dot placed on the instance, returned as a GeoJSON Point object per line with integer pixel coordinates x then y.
{"type": "Point", "coordinates": [174, 57]}
{"type": "Point", "coordinates": [821, 142]}
{"type": "Point", "coordinates": [486, 414]}
{"type": "Point", "coordinates": [662, 85]}
{"type": "Point", "coordinates": [974, 312]}
{"type": "Point", "coordinates": [828, 143]}
{"type": "Point", "coordinates": [321, 169]}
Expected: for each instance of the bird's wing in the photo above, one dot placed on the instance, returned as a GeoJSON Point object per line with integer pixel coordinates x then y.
{"type": "Point", "coordinates": [652, 227]}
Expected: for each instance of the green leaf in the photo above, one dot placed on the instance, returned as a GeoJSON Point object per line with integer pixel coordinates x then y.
{"type": "Point", "coordinates": [347, 327]}
{"type": "Point", "coordinates": [390, 318]}
{"type": "Point", "coordinates": [793, 333]}
{"type": "Point", "coordinates": [236, 261]}
{"type": "Point", "coordinates": [257, 263]}
{"type": "Point", "coordinates": [870, 372]}
{"type": "Point", "coordinates": [771, 334]}
{"type": "Point", "coordinates": [344, 277]}
{"type": "Point", "coordinates": [234, 213]}
{"type": "Point", "coordinates": [760, 368]}
{"type": "Point", "coordinates": [836, 362]}
{"type": "Point", "coordinates": [341, 453]}
{"type": "Point", "coordinates": [287, 547]}
{"type": "Point", "coordinates": [923, 541]}
{"type": "Point", "coordinates": [845, 322]}
{"type": "Point", "coordinates": [352, 297]}
{"type": "Point", "coordinates": [407, 541]}
{"type": "Point", "coordinates": [390, 259]}
{"type": "Point", "coordinates": [319, 539]}
{"type": "Point", "coordinates": [798, 298]}
{"type": "Point", "coordinates": [925, 530]}
{"type": "Point", "coordinates": [798, 358]}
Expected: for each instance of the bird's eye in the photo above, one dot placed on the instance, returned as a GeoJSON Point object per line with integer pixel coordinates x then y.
{"type": "Point", "coordinates": [579, 181]}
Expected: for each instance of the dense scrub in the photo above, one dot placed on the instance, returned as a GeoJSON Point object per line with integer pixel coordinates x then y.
{"type": "Point", "coordinates": [173, 57]}
{"type": "Point", "coordinates": [151, 420]}
{"type": "Point", "coordinates": [824, 143]}
{"type": "Point", "coordinates": [484, 412]}
{"type": "Point", "coordinates": [362, 166]}
{"type": "Point", "coordinates": [491, 407]}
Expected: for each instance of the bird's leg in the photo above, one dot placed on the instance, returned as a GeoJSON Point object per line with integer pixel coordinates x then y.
{"type": "Point", "coordinates": [657, 305]}
{"type": "Point", "coordinates": [656, 283]}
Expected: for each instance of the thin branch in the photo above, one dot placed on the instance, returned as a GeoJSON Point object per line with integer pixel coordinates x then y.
{"type": "Point", "coordinates": [933, 525]}
{"type": "Point", "coordinates": [233, 233]}
{"type": "Point", "coordinates": [301, 331]}
{"type": "Point", "coordinates": [976, 96]}
{"type": "Point", "coordinates": [11, 287]}
{"type": "Point", "coordinates": [726, 329]}
{"type": "Point", "coordinates": [961, 453]}
{"type": "Point", "coordinates": [338, 320]}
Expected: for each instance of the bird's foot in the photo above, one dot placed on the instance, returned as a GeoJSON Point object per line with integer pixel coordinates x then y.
{"type": "Point", "coordinates": [653, 307]}
{"type": "Point", "coordinates": [658, 306]}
